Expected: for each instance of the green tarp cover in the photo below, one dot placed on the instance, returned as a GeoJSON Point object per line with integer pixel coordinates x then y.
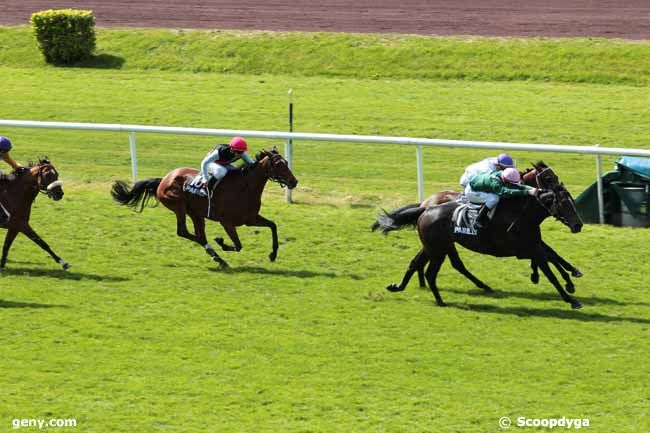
{"type": "Point", "coordinates": [631, 172]}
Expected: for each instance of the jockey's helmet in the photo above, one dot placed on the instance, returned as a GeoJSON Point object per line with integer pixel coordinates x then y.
{"type": "Point", "coordinates": [511, 175]}
{"type": "Point", "coordinates": [5, 145]}
{"type": "Point", "coordinates": [505, 160]}
{"type": "Point", "coordinates": [238, 144]}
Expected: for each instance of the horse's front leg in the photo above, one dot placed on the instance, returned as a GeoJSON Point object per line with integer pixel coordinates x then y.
{"type": "Point", "coordinates": [575, 272]}
{"type": "Point", "coordinates": [9, 239]}
{"type": "Point", "coordinates": [234, 237]}
{"type": "Point", "coordinates": [30, 233]}
{"type": "Point", "coordinates": [542, 261]}
{"type": "Point", "coordinates": [260, 221]}
{"type": "Point", "coordinates": [563, 266]}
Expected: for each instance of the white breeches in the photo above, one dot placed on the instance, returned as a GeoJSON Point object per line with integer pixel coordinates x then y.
{"type": "Point", "coordinates": [490, 199]}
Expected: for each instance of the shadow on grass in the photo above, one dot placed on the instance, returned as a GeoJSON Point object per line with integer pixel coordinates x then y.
{"type": "Point", "coordinates": [551, 295]}
{"type": "Point", "coordinates": [102, 61]}
{"type": "Point", "coordinates": [567, 314]}
{"type": "Point", "coordinates": [13, 304]}
{"type": "Point", "coordinates": [59, 274]}
{"type": "Point", "coordinates": [284, 272]}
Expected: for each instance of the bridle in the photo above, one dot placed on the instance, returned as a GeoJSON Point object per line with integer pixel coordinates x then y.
{"type": "Point", "coordinates": [269, 171]}
{"type": "Point", "coordinates": [47, 190]}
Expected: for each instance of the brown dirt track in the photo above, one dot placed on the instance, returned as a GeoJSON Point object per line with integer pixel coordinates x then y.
{"type": "Point", "coordinates": [628, 19]}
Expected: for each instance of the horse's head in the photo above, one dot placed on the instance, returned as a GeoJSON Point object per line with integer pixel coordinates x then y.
{"type": "Point", "coordinates": [47, 179]}
{"type": "Point", "coordinates": [556, 199]}
{"type": "Point", "coordinates": [277, 168]}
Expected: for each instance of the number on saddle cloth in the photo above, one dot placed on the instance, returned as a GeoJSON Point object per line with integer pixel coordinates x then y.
{"type": "Point", "coordinates": [195, 186]}
{"type": "Point", "coordinates": [464, 219]}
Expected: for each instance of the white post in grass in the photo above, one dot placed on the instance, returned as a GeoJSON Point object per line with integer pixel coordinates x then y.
{"type": "Point", "coordinates": [599, 189]}
{"type": "Point", "coordinates": [134, 159]}
{"type": "Point", "coordinates": [288, 144]}
{"type": "Point", "coordinates": [420, 163]}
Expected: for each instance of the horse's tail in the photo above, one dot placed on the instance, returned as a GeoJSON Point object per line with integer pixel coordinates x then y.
{"type": "Point", "coordinates": [398, 219]}
{"type": "Point", "coordinates": [139, 195]}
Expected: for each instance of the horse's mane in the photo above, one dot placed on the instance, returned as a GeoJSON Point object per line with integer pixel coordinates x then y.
{"type": "Point", "coordinates": [540, 164]}
{"type": "Point", "coordinates": [41, 161]}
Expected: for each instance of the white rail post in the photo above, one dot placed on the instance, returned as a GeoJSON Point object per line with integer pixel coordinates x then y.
{"type": "Point", "coordinates": [418, 153]}
{"type": "Point", "coordinates": [288, 145]}
{"type": "Point", "coordinates": [134, 158]}
{"type": "Point", "coordinates": [599, 189]}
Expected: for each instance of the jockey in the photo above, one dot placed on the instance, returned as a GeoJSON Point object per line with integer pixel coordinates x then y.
{"type": "Point", "coordinates": [219, 161]}
{"type": "Point", "coordinates": [5, 147]}
{"type": "Point", "coordinates": [488, 188]}
{"type": "Point", "coordinates": [488, 165]}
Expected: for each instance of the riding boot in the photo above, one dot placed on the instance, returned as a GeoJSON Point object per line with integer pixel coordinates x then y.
{"type": "Point", "coordinates": [483, 218]}
{"type": "Point", "coordinates": [213, 183]}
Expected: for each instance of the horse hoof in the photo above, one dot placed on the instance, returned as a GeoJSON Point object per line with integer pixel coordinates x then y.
{"type": "Point", "coordinates": [272, 256]}
{"type": "Point", "coordinates": [534, 278]}
{"type": "Point", "coordinates": [576, 305]}
{"type": "Point", "coordinates": [441, 303]}
{"type": "Point", "coordinates": [223, 264]}
{"type": "Point", "coordinates": [65, 265]}
{"type": "Point", "coordinates": [487, 289]}
{"type": "Point", "coordinates": [576, 273]}
{"type": "Point", "coordinates": [393, 288]}
{"type": "Point", "coordinates": [570, 288]}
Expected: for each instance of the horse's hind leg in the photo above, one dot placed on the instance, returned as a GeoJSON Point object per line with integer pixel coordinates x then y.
{"type": "Point", "coordinates": [181, 224]}
{"type": "Point", "coordinates": [234, 237]}
{"type": "Point", "coordinates": [30, 233]}
{"type": "Point", "coordinates": [260, 221]}
{"type": "Point", "coordinates": [458, 264]}
{"type": "Point", "coordinates": [9, 239]}
{"type": "Point", "coordinates": [417, 264]}
{"type": "Point", "coordinates": [199, 230]}
{"type": "Point", "coordinates": [431, 273]}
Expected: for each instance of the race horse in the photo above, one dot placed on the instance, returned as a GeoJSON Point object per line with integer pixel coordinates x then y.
{"type": "Point", "coordinates": [529, 177]}
{"type": "Point", "coordinates": [235, 202]}
{"type": "Point", "coordinates": [513, 231]}
{"type": "Point", "coordinates": [18, 191]}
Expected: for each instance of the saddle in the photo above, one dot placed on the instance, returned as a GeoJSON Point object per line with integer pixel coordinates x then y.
{"type": "Point", "coordinates": [464, 219]}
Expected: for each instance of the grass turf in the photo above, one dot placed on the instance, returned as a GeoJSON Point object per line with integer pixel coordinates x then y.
{"type": "Point", "coordinates": [146, 334]}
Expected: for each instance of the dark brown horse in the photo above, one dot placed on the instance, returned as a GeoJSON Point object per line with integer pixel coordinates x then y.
{"type": "Point", "coordinates": [236, 201]}
{"type": "Point", "coordinates": [514, 231]}
{"type": "Point", "coordinates": [529, 177]}
{"type": "Point", "coordinates": [17, 194]}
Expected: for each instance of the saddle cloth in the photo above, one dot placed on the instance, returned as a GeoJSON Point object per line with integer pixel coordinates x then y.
{"type": "Point", "coordinates": [195, 186]}
{"type": "Point", "coordinates": [464, 218]}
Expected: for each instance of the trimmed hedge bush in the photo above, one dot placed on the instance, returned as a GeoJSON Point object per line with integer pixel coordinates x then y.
{"type": "Point", "coordinates": [64, 35]}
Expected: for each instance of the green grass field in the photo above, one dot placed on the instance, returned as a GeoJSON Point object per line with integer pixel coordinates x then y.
{"type": "Point", "coordinates": [146, 334]}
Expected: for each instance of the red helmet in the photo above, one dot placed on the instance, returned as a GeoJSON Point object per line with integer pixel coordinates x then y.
{"type": "Point", "coordinates": [238, 144]}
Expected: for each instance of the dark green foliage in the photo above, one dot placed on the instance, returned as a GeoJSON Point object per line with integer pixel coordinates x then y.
{"type": "Point", "coordinates": [65, 36]}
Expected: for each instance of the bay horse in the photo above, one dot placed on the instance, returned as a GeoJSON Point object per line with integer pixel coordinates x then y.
{"type": "Point", "coordinates": [529, 177]}
{"type": "Point", "coordinates": [17, 194]}
{"type": "Point", "coordinates": [513, 231]}
{"type": "Point", "coordinates": [235, 202]}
